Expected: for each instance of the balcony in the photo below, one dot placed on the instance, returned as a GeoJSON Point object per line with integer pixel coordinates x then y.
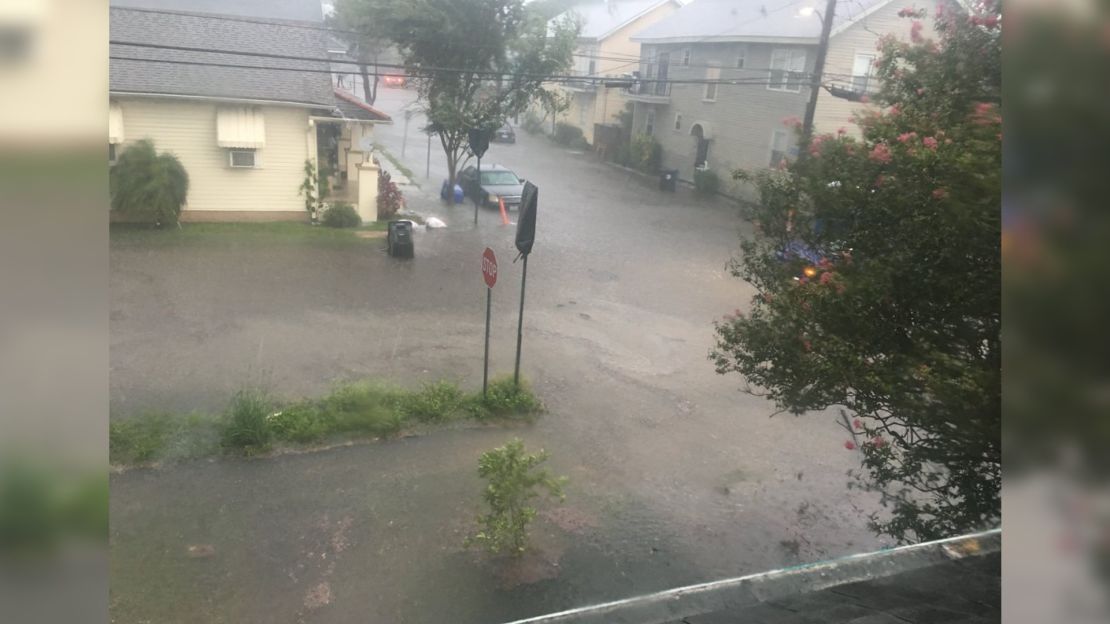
{"type": "Point", "coordinates": [650, 91]}
{"type": "Point", "coordinates": [581, 85]}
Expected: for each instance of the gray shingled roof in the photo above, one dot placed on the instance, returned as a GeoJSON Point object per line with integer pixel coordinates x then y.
{"type": "Point", "coordinates": [304, 10]}
{"type": "Point", "coordinates": [210, 32]}
{"type": "Point", "coordinates": [750, 20]}
{"type": "Point", "coordinates": [600, 18]}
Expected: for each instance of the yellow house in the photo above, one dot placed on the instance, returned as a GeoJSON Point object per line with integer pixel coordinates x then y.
{"type": "Point", "coordinates": [605, 50]}
{"type": "Point", "coordinates": [242, 128]}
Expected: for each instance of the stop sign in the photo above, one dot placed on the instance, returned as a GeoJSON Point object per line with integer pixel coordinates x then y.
{"type": "Point", "coordinates": [489, 267]}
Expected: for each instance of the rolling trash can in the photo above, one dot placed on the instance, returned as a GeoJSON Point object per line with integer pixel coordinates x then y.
{"type": "Point", "coordinates": [668, 179]}
{"type": "Point", "coordinates": [399, 239]}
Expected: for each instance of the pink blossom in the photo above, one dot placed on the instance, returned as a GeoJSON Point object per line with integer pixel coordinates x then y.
{"type": "Point", "coordinates": [930, 143]}
{"type": "Point", "coordinates": [940, 193]}
{"type": "Point", "coordinates": [982, 108]}
{"type": "Point", "coordinates": [841, 131]}
{"type": "Point", "coordinates": [825, 278]}
{"type": "Point", "coordinates": [990, 21]}
{"type": "Point", "coordinates": [878, 441]}
{"type": "Point", "coordinates": [864, 99]}
{"type": "Point", "coordinates": [921, 91]}
{"type": "Point", "coordinates": [791, 121]}
{"type": "Point", "coordinates": [915, 31]}
{"type": "Point", "coordinates": [807, 345]}
{"type": "Point", "coordinates": [857, 423]}
{"type": "Point", "coordinates": [848, 444]}
{"type": "Point", "coordinates": [880, 181]}
{"type": "Point", "coordinates": [880, 153]}
{"type": "Point", "coordinates": [906, 136]}
{"type": "Point", "coordinates": [895, 110]}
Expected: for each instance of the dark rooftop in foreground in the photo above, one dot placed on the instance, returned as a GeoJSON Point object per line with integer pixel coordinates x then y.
{"type": "Point", "coordinates": [951, 581]}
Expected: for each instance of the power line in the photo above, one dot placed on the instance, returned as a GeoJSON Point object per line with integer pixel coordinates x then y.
{"type": "Point", "coordinates": [418, 70]}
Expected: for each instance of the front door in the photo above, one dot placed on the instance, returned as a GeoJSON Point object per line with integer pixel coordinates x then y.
{"type": "Point", "coordinates": [661, 82]}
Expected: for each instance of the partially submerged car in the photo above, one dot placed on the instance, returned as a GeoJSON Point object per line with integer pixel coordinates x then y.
{"type": "Point", "coordinates": [496, 183]}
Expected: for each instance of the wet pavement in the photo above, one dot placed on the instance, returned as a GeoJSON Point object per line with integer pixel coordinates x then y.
{"type": "Point", "coordinates": [675, 475]}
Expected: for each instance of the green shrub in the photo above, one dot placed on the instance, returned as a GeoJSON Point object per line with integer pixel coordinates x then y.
{"type": "Point", "coordinates": [706, 182]}
{"type": "Point", "coordinates": [138, 439]}
{"type": "Point", "coordinates": [147, 186]}
{"type": "Point", "coordinates": [566, 134]}
{"type": "Point", "coordinates": [435, 402]}
{"type": "Point", "coordinates": [362, 407]}
{"type": "Point", "coordinates": [532, 123]}
{"type": "Point", "coordinates": [504, 400]}
{"type": "Point", "coordinates": [247, 427]}
{"type": "Point", "coordinates": [645, 153]}
{"type": "Point", "coordinates": [342, 215]}
{"type": "Point", "coordinates": [514, 481]}
{"type": "Point", "coordinates": [581, 144]}
{"type": "Point", "coordinates": [301, 422]}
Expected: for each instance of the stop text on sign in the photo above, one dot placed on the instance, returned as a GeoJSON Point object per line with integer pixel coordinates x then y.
{"type": "Point", "coordinates": [489, 267]}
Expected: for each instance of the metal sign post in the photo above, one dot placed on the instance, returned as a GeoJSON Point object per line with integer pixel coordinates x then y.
{"type": "Point", "coordinates": [479, 143]}
{"type": "Point", "coordinates": [525, 237]}
{"type": "Point", "coordinates": [489, 274]}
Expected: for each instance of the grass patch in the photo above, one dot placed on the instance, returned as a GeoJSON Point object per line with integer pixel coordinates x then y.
{"type": "Point", "coordinates": [278, 232]}
{"type": "Point", "coordinates": [254, 423]}
{"type": "Point", "coordinates": [400, 166]}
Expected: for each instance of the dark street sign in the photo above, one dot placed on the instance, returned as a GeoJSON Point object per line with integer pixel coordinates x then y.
{"type": "Point", "coordinates": [479, 141]}
{"type": "Point", "coordinates": [526, 222]}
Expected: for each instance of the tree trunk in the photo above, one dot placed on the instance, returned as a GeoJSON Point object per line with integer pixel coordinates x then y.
{"type": "Point", "coordinates": [366, 93]}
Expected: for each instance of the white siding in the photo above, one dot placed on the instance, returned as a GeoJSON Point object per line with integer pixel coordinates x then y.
{"type": "Point", "coordinates": [861, 37]}
{"type": "Point", "coordinates": [188, 130]}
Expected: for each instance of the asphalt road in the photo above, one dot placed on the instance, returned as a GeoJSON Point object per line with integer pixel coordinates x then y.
{"type": "Point", "coordinates": [676, 476]}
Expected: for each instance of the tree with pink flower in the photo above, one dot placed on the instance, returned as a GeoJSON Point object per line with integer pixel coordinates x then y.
{"type": "Point", "coordinates": [905, 337]}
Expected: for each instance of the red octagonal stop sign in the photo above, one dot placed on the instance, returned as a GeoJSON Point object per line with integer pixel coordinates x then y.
{"type": "Point", "coordinates": [489, 267]}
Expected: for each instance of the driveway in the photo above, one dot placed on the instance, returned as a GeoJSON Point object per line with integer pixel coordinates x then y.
{"type": "Point", "coordinates": [675, 475]}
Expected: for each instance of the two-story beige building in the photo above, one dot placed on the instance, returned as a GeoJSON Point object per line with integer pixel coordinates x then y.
{"type": "Point", "coordinates": [718, 78]}
{"type": "Point", "coordinates": [606, 49]}
{"type": "Point", "coordinates": [216, 92]}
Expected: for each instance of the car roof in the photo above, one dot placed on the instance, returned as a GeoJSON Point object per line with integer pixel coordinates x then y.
{"type": "Point", "coordinates": [495, 167]}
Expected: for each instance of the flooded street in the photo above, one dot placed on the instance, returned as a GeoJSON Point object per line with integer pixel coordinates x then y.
{"type": "Point", "coordinates": [675, 475]}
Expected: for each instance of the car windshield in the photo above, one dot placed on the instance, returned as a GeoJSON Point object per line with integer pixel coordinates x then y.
{"type": "Point", "coordinates": [498, 178]}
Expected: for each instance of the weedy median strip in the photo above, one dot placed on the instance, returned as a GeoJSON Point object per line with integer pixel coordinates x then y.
{"type": "Point", "coordinates": [256, 423]}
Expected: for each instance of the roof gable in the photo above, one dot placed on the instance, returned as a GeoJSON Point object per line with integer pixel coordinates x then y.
{"type": "Point", "coordinates": [600, 19]}
{"type": "Point", "coordinates": [241, 76]}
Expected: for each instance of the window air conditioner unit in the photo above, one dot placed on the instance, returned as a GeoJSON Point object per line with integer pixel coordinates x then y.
{"type": "Point", "coordinates": [243, 159]}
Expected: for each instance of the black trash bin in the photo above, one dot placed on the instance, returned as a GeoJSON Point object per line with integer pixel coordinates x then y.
{"type": "Point", "coordinates": [668, 180]}
{"type": "Point", "coordinates": [399, 239]}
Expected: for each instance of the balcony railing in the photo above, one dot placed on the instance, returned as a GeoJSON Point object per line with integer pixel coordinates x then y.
{"type": "Point", "coordinates": [650, 90]}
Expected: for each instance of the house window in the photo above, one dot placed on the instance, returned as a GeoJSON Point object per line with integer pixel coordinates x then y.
{"type": "Point", "coordinates": [711, 74]}
{"type": "Point", "coordinates": [741, 58]}
{"type": "Point", "coordinates": [862, 70]}
{"type": "Point", "coordinates": [678, 121]}
{"type": "Point", "coordinates": [787, 67]}
{"type": "Point", "coordinates": [592, 68]}
{"type": "Point", "coordinates": [780, 143]}
{"type": "Point", "coordinates": [649, 123]}
{"type": "Point", "coordinates": [686, 57]}
{"type": "Point", "coordinates": [241, 159]}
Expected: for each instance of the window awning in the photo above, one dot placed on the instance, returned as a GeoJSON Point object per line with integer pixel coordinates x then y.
{"type": "Point", "coordinates": [240, 127]}
{"type": "Point", "coordinates": [115, 124]}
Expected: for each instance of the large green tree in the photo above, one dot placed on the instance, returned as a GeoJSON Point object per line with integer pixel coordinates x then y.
{"type": "Point", "coordinates": [474, 62]}
{"type": "Point", "coordinates": [895, 315]}
{"type": "Point", "coordinates": [357, 24]}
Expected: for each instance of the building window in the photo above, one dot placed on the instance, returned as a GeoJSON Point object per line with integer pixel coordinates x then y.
{"type": "Point", "coordinates": [741, 58]}
{"type": "Point", "coordinates": [780, 143]}
{"type": "Point", "coordinates": [678, 121]}
{"type": "Point", "coordinates": [711, 74]}
{"type": "Point", "coordinates": [592, 68]}
{"type": "Point", "coordinates": [787, 67]}
{"type": "Point", "coordinates": [241, 158]}
{"type": "Point", "coordinates": [649, 123]}
{"type": "Point", "coordinates": [862, 69]}
{"type": "Point", "coordinates": [686, 57]}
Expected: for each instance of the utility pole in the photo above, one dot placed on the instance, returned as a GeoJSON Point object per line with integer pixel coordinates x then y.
{"type": "Point", "coordinates": [818, 71]}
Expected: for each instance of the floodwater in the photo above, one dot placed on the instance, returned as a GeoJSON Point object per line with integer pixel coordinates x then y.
{"type": "Point", "coordinates": [675, 476]}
